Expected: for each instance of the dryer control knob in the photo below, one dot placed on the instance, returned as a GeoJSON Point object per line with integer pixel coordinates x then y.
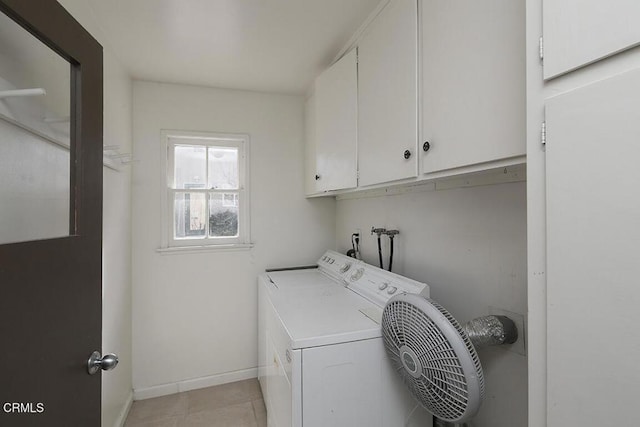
{"type": "Point", "coordinates": [383, 286]}
{"type": "Point", "coordinates": [357, 274]}
{"type": "Point", "coordinates": [392, 290]}
{"type": "Point", "coordinates": [345, 267]}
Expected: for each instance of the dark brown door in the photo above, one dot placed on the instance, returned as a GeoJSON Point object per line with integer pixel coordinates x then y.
{"type": "Point", "coordinates": [50, 275]}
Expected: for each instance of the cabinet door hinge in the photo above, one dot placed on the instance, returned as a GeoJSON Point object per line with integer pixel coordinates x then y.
{"type": "Point", "coordinates": [541, 48]}
{"type": "Point", "coordinates": [543, 133]}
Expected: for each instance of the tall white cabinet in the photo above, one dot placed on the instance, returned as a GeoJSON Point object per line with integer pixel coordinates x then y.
{"type": "Point", "coordinates": [579, 32]}
{"type": "Point", "coordinates": [336, 125]}
{"type": "Point", "coordinates": [593, 233]}
{"type": "Point", "coordinates": [583, 212]}
{"type": "Point", "coordinates": [388, 95]}
{"type": "Point", "coordinates": [473, 82]}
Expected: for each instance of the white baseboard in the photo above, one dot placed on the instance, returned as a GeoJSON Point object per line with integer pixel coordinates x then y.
{"type": "Point", "coordinates": [125, 411]}
{"type": "Point", "coordinates": [193, 384]}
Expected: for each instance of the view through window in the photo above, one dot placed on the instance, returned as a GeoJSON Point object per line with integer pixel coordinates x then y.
{"type": "Point", "coordinates": [206, 187]}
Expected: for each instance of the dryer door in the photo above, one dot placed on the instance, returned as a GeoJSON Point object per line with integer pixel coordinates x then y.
{"type": "Point", "coordinates": [279, 370]}
{"type": "Point", "coordinates": [341, 385]}
{"type": "Point", "coordinates": [354, 384]}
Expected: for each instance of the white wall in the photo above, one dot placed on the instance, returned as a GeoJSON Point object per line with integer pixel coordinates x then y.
{"type": "Point", "coordinates": [116, 246]}
{"type": "Point", "coordinates": [469, 245]}
{"type": "Point", "coordinates": [195, 315]}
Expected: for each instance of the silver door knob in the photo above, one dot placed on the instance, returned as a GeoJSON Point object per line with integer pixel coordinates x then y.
{"type": "Point", "coordinates": [97, 362]}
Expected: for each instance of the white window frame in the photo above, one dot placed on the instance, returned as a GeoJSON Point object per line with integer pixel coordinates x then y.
{"type": "Point", "coordinates": [209, 139]}
{"type": "Point", "coordinates": [233, 203]}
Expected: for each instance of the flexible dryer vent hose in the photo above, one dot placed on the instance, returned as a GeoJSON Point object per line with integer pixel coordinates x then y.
{"type": "Point", "coordinates": [491, 330]}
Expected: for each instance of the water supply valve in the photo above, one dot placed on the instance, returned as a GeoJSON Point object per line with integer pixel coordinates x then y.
{"type": "Point", "coordinates": [378, 231]}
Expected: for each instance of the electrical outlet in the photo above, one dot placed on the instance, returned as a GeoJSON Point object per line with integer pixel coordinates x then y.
{"type": "Point", "coordinates": [520, 345]}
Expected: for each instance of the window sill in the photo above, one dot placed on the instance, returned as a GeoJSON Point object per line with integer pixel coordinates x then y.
{"type": "Point", "coordinates": [176, 250]}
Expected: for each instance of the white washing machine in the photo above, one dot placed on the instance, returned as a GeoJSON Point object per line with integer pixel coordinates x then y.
{"type": "Point", "coordinates": [322, 361]}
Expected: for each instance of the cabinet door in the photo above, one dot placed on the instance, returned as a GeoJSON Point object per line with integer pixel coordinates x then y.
{"type": "Point", "coordinates": [579, 32]}
{"type": "Point", "coordinates": [387, 95]}
{"type": "Point", "coordinates": [473, 77]}
{"type": "Point", "coordinates": [593, 235]}
{"type": "Point", "coordinates": [310, 146]}
{"type": "Point", "coordinates": [336, 92]}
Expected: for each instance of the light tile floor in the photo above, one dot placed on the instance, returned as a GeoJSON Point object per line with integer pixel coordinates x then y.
{"type": "Point", "coordinates": [236, 404]}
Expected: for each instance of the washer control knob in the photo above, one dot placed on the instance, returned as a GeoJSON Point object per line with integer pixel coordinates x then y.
{"type": "Point", "coordinates": [345, 267]}
{"type": "Point", "coordinates": [357, 274]}
{"type": "Point", "coordinates": [392, 290]}
{"type": "Point", "coordinates": [383, 286]}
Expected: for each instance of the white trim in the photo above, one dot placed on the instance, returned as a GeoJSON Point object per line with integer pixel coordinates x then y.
{"type": "Point", "coordinates": [417, 187]}
{"type": "Point", "coordinates": [171, 245]}
{"type": "Point", "coordinates": [497, 172]}
{"type": "Point", "coordinates": [194, 384]}
{"type": "Point", "coordinates": [156, 391]}
{"type": "Point", "coordinates": [125, 410]}
{"type": "Point", "coordinates": [165, 214]}
{"type": "Point", "coordinates": [517, 173]}
{"type": "Point", "coordinates": [177, 250]}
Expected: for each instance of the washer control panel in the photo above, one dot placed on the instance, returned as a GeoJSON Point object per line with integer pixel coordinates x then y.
{"type": "Point", "coordinates": [357, 274]}
{"type": "Point", "coordinates": [378, 286]}
{"type": "Point", "coordinates": [345, 267]}
{"type": "Point", "coordinates": [370, 282]}
{"type": "Point", "coordinates": [336, 265]}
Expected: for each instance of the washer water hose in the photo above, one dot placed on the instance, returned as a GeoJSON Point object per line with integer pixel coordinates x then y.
{"type": "Point", "coordinates": [391, 234]}
{"type": "Point", "coordinates": [379, 232]}
{"type": "Point", "coordinates": [355, 245]}
{"type": "Point", "coordinates": [391, 253]}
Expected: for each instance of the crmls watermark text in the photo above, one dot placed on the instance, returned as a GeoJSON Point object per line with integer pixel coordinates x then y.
{"type": "Point", "coordinates": [23, 407]}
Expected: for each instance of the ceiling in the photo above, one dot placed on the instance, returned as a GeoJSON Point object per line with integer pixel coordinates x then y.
{"type": "Point", "coordinates": [264, 45]}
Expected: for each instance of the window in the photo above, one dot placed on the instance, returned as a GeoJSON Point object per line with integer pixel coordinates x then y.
{"type": "Point", "coordinates": [206, 195]}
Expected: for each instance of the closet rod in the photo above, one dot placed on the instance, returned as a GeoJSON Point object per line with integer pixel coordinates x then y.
{"type": "Point", "coordinates": [22, 92]}
{"type": "Point", "coordinates": [63, 119]}
{"type": "Point", "coordinates": [33, 131]}
{"type": "Point", "coordinates": [51, 140]}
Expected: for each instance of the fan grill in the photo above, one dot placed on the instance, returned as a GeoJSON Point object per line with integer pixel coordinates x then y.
{"type": "Point", "coordinates": [467, 342]}
{"type": "Point", "coordinates": [439, 381]}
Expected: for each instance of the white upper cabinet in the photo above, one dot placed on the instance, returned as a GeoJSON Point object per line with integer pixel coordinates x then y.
{"type": "Point", "coordinates": [336, 125]}
{"type": "Point", "coordinates": [473, 82]}
{"type": "Point", "coordinates": [310, 146]}
{"type": "Point", "coordinates": [388, 95]}
{"type": "Point", "coordinates": [579, 32]}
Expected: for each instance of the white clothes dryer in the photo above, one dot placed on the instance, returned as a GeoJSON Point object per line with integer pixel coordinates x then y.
{"type": "Point", "coordinates": [322, 362]}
